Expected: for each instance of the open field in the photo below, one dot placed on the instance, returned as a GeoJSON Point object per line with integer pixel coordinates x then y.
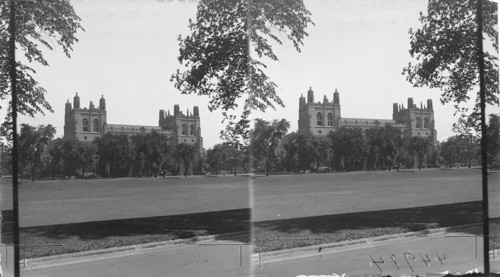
{"type": "Point", "coordinates": [316, 208]}
{"type": "Point", "coordinates": [306, 195]}
{"type": "Point", "coordinates": [73, 201]}
{"type": "Point", "coordinates": [310, 209]}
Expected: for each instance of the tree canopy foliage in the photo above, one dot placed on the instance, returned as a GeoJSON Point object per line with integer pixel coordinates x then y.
{"type": "Point", "coordinates": [112, 155]}
{"type": "Point", "coordinates": [222, 57]}
{"type": "Point", "coordinates": [33, 142]}
{"type": "Point", "coordinates": [445, 55]}
{"type": "Point", "coordinates": [40, 25]}
{"type": "Point", "coordinates": [185, 153]}
{"type": "Point", "coordinates": [225, 157]}
{"type": "Point", "coordinates": [265, 139]}
{"type": "Point", "coordinates": [493, 132]}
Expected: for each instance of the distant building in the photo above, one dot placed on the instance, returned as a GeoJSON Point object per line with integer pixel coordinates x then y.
{"type": "Point", "coordinates": [319, 118]}
{"type": "Point", "coordinates": [86, 124]}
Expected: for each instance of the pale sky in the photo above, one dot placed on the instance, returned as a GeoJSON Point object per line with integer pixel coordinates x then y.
{"type": "Point", "coordinates": [129, 51]}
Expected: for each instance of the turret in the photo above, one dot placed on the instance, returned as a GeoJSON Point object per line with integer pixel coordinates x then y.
{"type": "Point", "coordinates": [176, 110]}
{"type": "Point", "coordinates": [336, 97]}
{"type": "Point", "coordinates": [429, 104]}
{"type": "Point", "coordinates": [196, 111]}
{"type": "Point", "coordinates": [91, 106]}
{"type": "Point", "coordinates": [302, 100]}
{"type": "Point", "coordinates": [310, 96]}
{"type": "Point", "coordinates": [162, 115]}
{"type": "Point", "coordinates": [325, 99]}
{"type": "Point", "coordinates": [76, 101]}
{"type": "Point", "coordinates": [395, 108]}
{"type": "Point", "coordinates": [102, 103]}
{"type": "Point", "coordinates": [410, 103]}
{"type": "Point", "coordinates": [68, 107]}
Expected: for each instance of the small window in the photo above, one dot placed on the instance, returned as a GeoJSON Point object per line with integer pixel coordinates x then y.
{"type": "Point", "coordinates": [96, 125]}
{"type": "Point", "coordinates": [184, 140]}
{"type": "Point", "coordinates": [319, 131]}
{"type": "Point", "coordinates": [85, 125]}
{"type": "Point", "coordinates": [426, 133]}
{"type": "Point", "coordinates": [192, 140]}
{"type": "Point", "coordinates": [419, 133]}
{"type": "Point", "coordinates": [85, 138]}
{"type": "Point", "coordinates": [330, 119]}
{"type": "Point", "coordinates": [319, 119]}
{"type": "Point", "coordinates": [426, 122]}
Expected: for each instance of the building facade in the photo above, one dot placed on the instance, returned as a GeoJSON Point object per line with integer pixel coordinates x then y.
{"type": "Point", "coordinates": [319, 118]}
{"type": "Point", "coordinates": [86, 124]}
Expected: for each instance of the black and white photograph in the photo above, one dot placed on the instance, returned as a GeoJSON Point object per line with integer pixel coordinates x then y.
{"type": "Point", "coordinates": [249, 138]}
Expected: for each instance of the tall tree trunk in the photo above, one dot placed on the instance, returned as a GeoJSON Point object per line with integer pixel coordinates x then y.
{"type": "Point", "coordinates": [32, 171]}
{"type": "Point", "coordinates": [266, 169]}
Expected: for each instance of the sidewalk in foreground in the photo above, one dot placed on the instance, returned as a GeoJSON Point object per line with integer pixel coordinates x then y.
{"type": "Point", "coordinates": [427, 255]}
{"type": "Point", "coordinates": [221, 258]}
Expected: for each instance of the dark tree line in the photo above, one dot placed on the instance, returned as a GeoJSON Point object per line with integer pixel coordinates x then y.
{"type": "Point", "coordinates": [112, 155]}
{"type": "Point", "coordinates": [270, 149]}
{"type": "Point", "coordinates": [227, 158]}
{"type": "Point", "coordinates": [273, 149]}
{"type": "Point", "coordinates": [349, 149]}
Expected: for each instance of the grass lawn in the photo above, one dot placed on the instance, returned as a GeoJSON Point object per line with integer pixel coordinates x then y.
{"type": "Point", "coordinates": [308, 195]}
{"type": "Point", "coordinates": [288, 210]}
{"type": "Point", "coordinates": [299, 232]}
{"type": "Point", "coordinates": [76, 237]}
{"type": "Point", "coordinates": [54, 202]}
{"type": "Point", "coordinates": [495, 233]}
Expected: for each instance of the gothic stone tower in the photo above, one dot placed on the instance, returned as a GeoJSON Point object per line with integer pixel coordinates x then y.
{"type": "Point", "coordinates": [84, 124]}
{"type": "Point", "coordinates": [321, 117]}
{"type": "Point", "coordinates": [419, 121]}
{"type": "Point", "coordinates": [184, 127]}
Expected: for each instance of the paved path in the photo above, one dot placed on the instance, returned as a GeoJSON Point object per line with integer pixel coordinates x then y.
{"type": "Point", "coordinates": [460, 257]}
{"type": "Point", "coordinates": [224, 260]}
{"type": "Point", "coordinates": [186, 260]}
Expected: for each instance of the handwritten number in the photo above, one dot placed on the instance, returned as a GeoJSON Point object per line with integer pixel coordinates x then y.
{"type": "Point", "coordinates": [393, 258]}
{"type": "Point", "coordinates": [428, 261]}
{"type": "Point", "coordinates": [409, 254]}
{"type": "Point", "coordinates": [377, 262]}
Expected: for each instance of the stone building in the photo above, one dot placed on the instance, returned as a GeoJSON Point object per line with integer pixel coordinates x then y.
{"type": "Point", "coordinates": [86, 124]}
{"type": "Point", "coordinates": [319, 118]}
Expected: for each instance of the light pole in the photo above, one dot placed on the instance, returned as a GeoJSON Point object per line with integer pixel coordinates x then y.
{"type": "Point", "coordinates": [234, 164]}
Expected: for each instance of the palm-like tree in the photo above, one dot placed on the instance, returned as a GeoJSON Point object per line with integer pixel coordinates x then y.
{"type": "Point", "coordinates": [33, 141]}
{"type": "Point", "coordinates": [266, 137]}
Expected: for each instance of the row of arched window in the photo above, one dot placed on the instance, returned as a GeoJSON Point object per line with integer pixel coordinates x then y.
{"type": "Point", "coordinates": [185, 131]}
{"type": "Point", "coordinates": [319, 119]}
{"type": "Point", "coordinates": [418, 122]}
{"type": "Point", "coordinates": [86, 127]}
